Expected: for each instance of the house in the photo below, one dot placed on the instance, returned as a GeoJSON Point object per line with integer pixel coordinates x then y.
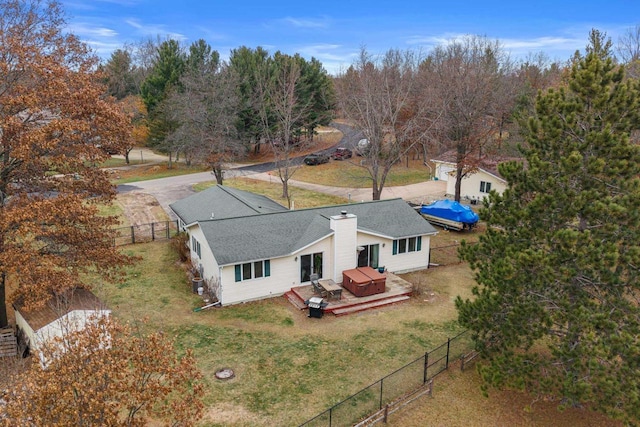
{"type": "Point", "coordinates": [63, 313]}
{"type": "Point", "coordinates": [249, 248]}
{"type": "Point", "coordinates": [474, 186]}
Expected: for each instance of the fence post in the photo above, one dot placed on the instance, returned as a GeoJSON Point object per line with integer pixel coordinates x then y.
{"type": "Point", "coordinates": [448, 343]}
{"type": "Point", "coordinates": [153, 231]}
{"type": "Point", "coordinates": [381, 381]}
{"type": "Point", "coordinates": [330, 413]}
{"type": "Point", "coordinates": [133, 235]}
{"type": "Point", "coordinates": [426, 365]}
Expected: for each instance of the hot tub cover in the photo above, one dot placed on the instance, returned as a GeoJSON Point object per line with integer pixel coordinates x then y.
{"type": "Point", "coordinates": [451, 210]}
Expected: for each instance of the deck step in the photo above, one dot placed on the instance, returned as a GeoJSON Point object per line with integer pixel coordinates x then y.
{"type": "Point", "coordinates": [295, 299]}
{"type": "Point", "coordinates": [368, 306]}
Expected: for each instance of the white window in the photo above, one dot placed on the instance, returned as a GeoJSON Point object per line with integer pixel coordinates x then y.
{"type": "Point", "coordinates": [485, 186]}
{"type": "Point", "coordinates": [252, 270]}
{"type": "Point", "coordinates": [412, 244]}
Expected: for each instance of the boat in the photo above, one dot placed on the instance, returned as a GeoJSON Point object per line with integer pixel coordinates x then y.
{"type": "Point", "coordinates": [449, 214]}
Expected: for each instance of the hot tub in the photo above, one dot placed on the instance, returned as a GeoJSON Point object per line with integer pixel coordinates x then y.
{"type": "Point", "coordinates": [363, 281]}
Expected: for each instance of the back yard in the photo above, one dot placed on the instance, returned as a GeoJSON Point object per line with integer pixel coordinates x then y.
{"type": "Point", "coordinates": [289, 368]}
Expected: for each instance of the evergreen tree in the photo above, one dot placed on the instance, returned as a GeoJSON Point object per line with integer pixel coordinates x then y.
{"type": "Point", "coordinates": [248, 65]}
{"type": "Point", "coordinates": [168, 67]}
{"type": "Point", "coordinates": [120, 75]}
{"type": "Point", "coordinates": [556, 307]}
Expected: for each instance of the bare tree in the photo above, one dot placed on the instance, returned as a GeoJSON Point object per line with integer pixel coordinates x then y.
{"type": "Point", "coordinates": [629, 50]}
{"type": "Point", "coordinates": [281, 112]}
{"type": "Point", "coordinates": [383, 98]}
{"type": "Point", "coordinates": [468, 78]}
{"type": "Point", "coordinates": [206, 107]}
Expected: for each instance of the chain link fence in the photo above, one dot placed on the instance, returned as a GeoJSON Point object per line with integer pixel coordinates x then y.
{"type": "Point", "coordinates": [394, 386]}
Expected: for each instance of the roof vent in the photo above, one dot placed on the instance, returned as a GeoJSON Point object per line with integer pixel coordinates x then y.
{"type": "Point", "coordinates": [343, 213]}
{"type": "Point", "coordinates": [212, 215]}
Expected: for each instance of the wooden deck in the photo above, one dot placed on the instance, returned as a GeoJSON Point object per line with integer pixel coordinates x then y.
{"type": "Point", "coordinates": [396, 290]}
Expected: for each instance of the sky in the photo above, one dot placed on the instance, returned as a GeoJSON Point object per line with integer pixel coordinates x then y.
{"type": "Point", "coordinates": [334, 32]}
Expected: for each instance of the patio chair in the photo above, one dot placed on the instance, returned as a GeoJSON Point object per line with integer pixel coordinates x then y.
{"type": "Point", "coordinates": [317, 289]}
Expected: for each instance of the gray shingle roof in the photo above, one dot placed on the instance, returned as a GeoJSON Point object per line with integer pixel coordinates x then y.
{"type": "Point", "coordinates": [272, 235]}
{"type": "Point", "coordinates": [223, 202]}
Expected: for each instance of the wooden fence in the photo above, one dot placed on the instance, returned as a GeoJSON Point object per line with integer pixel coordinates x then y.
{"type": "Point", "coordinates": [143, 233]}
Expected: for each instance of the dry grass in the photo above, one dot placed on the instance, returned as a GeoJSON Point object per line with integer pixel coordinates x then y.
{"type": "Point", "coordinates": [154, 171]}
{"type": "Point", "coordinates": [349, 173]}
{"type": "Point", "coordinates": [288, 367]}
{"type": "Point", "coordinates": [457, 401]}
{"type": "Point", "coordinates": [301, 198]}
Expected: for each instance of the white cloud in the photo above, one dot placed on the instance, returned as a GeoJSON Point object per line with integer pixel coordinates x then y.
{"type": "Point", "coordinates": [334, 57]}
{"type": "Point", "coordinates": [87, 30]}
{"type": "Point", "coordinates": [307, 22]}
{"type": "Point", "coordinates": [516, 47]}
{"type": "Point", "coordinates": [542, 44]}
{"type": "Point", "coordinates": [154, 30]}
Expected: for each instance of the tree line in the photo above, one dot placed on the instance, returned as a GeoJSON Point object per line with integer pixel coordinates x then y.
{"type": "Point", "coordinates": [556, 308]}
{"type": "Point", "coordinates": [464, 98]}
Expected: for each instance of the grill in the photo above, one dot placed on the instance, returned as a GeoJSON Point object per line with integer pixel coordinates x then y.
{"type": "Point", "coordinates": [316, 306]}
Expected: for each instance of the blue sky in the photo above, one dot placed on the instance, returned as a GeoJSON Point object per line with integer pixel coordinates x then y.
{"type": "Point", "coordinates": [334, 31]}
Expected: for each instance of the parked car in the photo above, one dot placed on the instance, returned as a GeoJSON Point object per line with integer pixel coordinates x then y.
{"type": "Point", "coordinates": [362, 149]}
{"type": "Point", "coordinates": [342, 153]}
{"type": "Point", "coordinates": [316, 159]}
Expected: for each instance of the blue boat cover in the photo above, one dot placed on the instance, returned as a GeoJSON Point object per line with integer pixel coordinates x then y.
{"type": "Point", "coordinates": [451, 210]}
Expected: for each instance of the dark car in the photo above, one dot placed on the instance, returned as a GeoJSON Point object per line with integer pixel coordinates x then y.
{"type": "Point", "coordinates": [316, 159]}
{"type": "Point", "coordinates": [342, 153]}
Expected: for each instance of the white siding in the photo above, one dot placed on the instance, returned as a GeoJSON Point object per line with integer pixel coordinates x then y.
{"type": "Point", "coordinates": [206, 261]}
{"type": "Point", "coordinates": [345, 244]}
{"type": "Point", "coordinates": [470, 185]}
{"type": "Point", "coordinates": [285, 274]}
{"type": "Point", "coordinates": [337, 255]}
{"type": "Point", "coordinates": [73, 321]}
{"type": "Point", "coordinates": [444, 170]}
{"type": "Point", "coordinates": [409, 260]}
{"type": "Point", "coordinates": [400, 262]}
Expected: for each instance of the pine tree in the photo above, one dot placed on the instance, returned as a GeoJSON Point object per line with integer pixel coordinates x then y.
{"type": "Point", "coordinates": [556, 307]}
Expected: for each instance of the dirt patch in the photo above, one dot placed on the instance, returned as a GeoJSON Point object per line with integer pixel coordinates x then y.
{"type": "Point", "coordinates": [140, 208]}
